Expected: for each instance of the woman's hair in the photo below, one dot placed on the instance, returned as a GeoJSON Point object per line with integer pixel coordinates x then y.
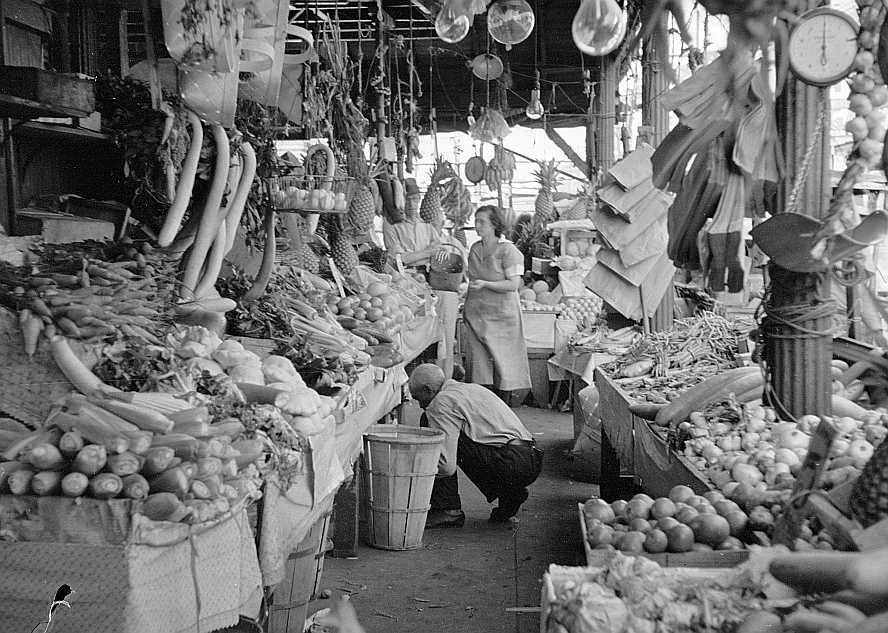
{"type": "Point", "coordinates": [495, 216]}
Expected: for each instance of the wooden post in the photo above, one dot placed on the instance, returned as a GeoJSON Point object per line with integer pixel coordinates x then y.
{"type": "Point", "coordinates": [656, 119]}
{"type": "Point", "coordinates": [798, 359]}
{"type": "Point", "coordinates": [653, 84]}
{"type": "Point", "coordinates": [606, 103]}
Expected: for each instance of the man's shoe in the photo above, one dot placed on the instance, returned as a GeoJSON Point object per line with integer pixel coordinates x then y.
{"type": "Point", "coordinates": [445, 519]}
{"type": "Point", "coordinates": [505, 512]}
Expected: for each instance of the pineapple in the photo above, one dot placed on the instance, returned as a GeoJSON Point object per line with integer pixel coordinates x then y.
{"type": "Point", "coordinates": [299, 253]}
{"type": "Point", "coordinates": [460, 234]}
{"type": "Point", "coordinates": [362, 209]}
{"type": "Point", "coordinates": [430, 209]}
{"type": "Point", "coordinates": [869, 497]}
{"type": "Point", "coordinates": [544, 206]}
{"type": "Point", "coordinates": [343, 253]}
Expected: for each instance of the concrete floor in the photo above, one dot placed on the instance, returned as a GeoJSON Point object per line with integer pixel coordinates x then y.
{"type": "Point", "coordinates": [473, 578]}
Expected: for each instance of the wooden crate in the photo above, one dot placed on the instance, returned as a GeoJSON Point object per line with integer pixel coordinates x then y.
{"type": "Point", "coordinates": [29, 92]}
{"type": "Point", "coordinates": [726, 558]}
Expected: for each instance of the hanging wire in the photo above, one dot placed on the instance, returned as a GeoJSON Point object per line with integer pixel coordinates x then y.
{"type": "Point", "coordinates": [360, 91]}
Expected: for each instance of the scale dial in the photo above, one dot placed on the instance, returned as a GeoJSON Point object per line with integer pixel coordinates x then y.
{"type": "Point", "coordinates": [822, 46]}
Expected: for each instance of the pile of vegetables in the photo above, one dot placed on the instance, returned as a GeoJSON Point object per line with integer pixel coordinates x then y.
{"type": "Point", "coordinates": [155, 449]}
{"type": "Point", "coordinates": [705, 339]}
{"type": "Point", "coordinates": [90, 291]}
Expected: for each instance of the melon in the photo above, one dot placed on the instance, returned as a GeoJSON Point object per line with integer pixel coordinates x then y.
{"type": "Point", "coordinates": [540, 287]}
{"type": "Point", "coordinates": [527, 294]}
{"type": "Point", "coordinates": [545, 298]}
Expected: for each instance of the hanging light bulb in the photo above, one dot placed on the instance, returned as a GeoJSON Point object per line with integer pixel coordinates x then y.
{"type": "Point", "coordinates": [453, 21]}
{"type": "Point", "coordinates": [510, 21]}
{"type": "Point", "coordinates": [599, 26]}
{"type": "Point", "coordinates": [535, 109]}
{"type": "Point", "coordinates": [471, 118]}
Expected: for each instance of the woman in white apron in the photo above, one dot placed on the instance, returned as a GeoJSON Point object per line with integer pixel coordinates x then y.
{"type": "Point", "coordinates": [495, 351]}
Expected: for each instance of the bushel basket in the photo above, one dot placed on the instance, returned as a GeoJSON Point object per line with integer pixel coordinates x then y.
{"type": "Point", "coordinates": [448, 274]}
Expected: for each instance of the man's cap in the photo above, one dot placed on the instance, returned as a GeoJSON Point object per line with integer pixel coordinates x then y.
{"type": "Point", "coordinates": [410, 187]}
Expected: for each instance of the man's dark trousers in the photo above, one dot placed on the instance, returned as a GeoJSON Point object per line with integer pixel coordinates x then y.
{"type": "Point", "coordinates": [500, 472]}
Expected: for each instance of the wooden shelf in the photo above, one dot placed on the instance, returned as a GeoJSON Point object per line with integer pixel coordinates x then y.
{"type": "Point", "coordinates": [15, 107]}
{"type": "Point", "coordinates": [35, 129]}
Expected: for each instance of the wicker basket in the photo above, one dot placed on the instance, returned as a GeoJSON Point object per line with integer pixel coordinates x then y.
{"type": "Point", "coordinates": [31, 385]}
{"type": "Point", "coordinates": [447, 275]}
{"type": "Point", "coordinates": [289, 194]}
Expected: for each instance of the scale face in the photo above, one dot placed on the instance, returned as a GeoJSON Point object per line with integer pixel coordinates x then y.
{"type": "Point", "coordinates": [822, 46]}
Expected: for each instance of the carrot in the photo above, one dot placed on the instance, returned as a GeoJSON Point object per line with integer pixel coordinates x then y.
{"type": "Point", "coordinates": [243, 190]}
{"type": "Point", "coordinates": [74, 484]}
{"type": "Point", "coordinates": [179, 205]}
{"type": "Point", "coordinates": [173, 480]}
{"type": "Point", "coordinates": [124, 464]}
{"type": "Point", "coordinates": [210, 218]}
{"type": "Point", "coordinates": [157, 460]}
{"type": "Point", "coordinates": [6, 469]}
{"type": "Point", "coordinates": [163, 506]}
{"type": "Point", "coordinates": [71, 443]}
{"type": "Point", "coordinates": [74, 370]}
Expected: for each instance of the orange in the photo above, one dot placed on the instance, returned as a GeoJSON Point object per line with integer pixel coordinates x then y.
{"type": "Point", "coordinates": [638, 508]}
{"type": "Point", "coordinates": [730, 543]}
{"type": "Point", "coordinates": [598, 509]}
{"type": "Point", "coordinates": [656, 541]}
{"type": "Point", "coordinates": [667, 522]}
{"type": "Point", "coordinates": [639, 525]}
{"type": "Point", "coordinates": [619, 507]}
{"type": "Point", "coordinates": [663, 507]}
{"type": "Point", "coordinates": [737, 520]}
{"type": "Point", "coordinates": [633, 542]}
{"type": "Point", "coordinates": [601, 535]}
{"type": "Point", "coordinates": [711, 529]}
{"type": "Point", "coordinates": [681, 493]}
{"type": "Point", "coordinates": [679, 538]}
{"type": "Point", "coordinates": [686, 514]}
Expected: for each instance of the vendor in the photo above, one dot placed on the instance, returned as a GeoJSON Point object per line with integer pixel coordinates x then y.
{"type": "Point", "coordinates": [496, 355]}
{"type": "Point", "coordinates": [484, 438]}
{"type": "Point", "coordinates": [417, 243]}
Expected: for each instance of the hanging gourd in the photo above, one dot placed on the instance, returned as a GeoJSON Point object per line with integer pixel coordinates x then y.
{"type": "Point", "coordinates": [599, 26]}
{"type": "Point", "coordinates": [510, 22]}
{"type": "Point", "coordinates": [453, 21]}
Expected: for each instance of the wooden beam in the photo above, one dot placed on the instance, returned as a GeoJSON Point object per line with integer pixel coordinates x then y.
{"type": "Point", "coordinates": [565, 147]}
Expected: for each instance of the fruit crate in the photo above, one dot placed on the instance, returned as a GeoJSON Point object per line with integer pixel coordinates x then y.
{"type": "Point", "coordinates": [581, 239]}
{"type": "Point", "coordinates": [311, 194]}
{"type": "Point", "coordinates": [715, 558]}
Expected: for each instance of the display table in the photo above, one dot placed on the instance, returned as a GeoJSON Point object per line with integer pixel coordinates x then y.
{"type": "Point", "coordinates": [288, 516]}
{"type": "Point", "coordinates": [630, 444]}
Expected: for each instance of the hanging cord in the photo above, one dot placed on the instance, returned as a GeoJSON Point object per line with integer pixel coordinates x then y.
{"type": "Point", "coordinates": [432, 120]}
{"type": "Point", "coordinates": [360, 91]}
{"type": "Point", "coordinates": [809, 152]}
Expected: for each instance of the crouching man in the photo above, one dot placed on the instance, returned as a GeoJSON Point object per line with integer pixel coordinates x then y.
{"type": "Point", "coordinates": [484, 437]}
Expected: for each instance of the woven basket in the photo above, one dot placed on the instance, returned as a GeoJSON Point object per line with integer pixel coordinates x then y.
{"type": "Point", "coordinates": [29, 386]}
{"type": "Point", "coordinates": [447, 275]}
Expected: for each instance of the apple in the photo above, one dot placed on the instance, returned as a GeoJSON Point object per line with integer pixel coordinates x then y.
{"type": "Point", "coordinates": [839, 447]}
{"type": "Point", "coordinates": [749, 441]}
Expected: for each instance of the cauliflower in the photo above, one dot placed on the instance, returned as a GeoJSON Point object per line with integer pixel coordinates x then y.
{"type": "Point", "coordinates": [231, 354]}
{"type": "Point", "coordinates": [249, 371]}
{"type": "Point", "coordinates": [200, 364]}
{"type": "Point", "coordinates": [197, 341]}
{"type": "Point", "coordinates": [280, 369]}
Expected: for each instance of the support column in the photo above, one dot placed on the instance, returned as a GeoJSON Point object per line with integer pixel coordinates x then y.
{"type": "Point", "coordinates": [653, 84]}
{"type": "Point", "coordinates": [655, 118]}
{"type": "Point", "coordinates": [604, 112]}
{"type": "Point", "coordinates": [797, 349]}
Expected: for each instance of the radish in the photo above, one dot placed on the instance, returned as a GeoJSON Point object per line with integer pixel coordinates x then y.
{"type": "Point", "coordinates": [236, 208]}
{"type": "Point", "coordinates": [186, 183]}
{"type": "Point", "coordinates": [211, 216]}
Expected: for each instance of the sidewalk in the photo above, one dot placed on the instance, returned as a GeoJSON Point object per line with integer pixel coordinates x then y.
{"type": "Point", "coordinates": [464, 580]}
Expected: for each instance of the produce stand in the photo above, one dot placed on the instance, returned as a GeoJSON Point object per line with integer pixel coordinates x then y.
{"type": "Point", "coordinates": [631, 444]}
{"type": "Point", "coordinates": [164, 577]}
{"type": "Point", "coordinates": [288, 516]}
